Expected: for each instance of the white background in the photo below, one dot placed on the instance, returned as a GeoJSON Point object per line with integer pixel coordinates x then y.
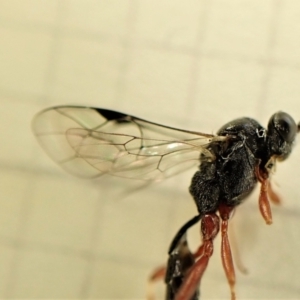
{"type": "Point", "coordinates": [191, 64]}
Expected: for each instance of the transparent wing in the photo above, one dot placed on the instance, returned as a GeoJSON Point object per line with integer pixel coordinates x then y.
{"type": "Point", "coordinates": [90, 142]}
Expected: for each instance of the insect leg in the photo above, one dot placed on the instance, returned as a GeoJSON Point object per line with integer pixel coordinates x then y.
{"type": "Point", "coordinates": [263, 201]}
{"type": "Point", "coordinates": [157, 275]}
{"type": "Point", "coordinates": [210, 225]}
{"type": "Point", "coordinates": [225, 213]}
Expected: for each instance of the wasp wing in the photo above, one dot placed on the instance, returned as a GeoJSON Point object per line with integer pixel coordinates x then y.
{"type": "Point", "coordinates": [90, 142]}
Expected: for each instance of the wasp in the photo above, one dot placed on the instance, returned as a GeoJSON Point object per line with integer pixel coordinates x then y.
{"type": "Point", "coordinates": [91, 142]}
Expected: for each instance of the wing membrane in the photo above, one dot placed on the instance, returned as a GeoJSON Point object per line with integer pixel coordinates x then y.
{"type": "Point", "coordinates": [90, 142]}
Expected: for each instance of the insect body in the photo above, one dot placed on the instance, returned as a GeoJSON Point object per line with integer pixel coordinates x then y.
{"type": "Point", "coordinates": [248, 151]}
{"type": "Point", "coordinates": [91, 142]}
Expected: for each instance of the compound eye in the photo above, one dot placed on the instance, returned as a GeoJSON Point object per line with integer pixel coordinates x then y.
{"type": "Point", "coordinates": [285, 125]}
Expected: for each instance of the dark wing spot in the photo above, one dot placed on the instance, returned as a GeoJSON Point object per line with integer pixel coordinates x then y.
{"type": "Point", "coordinates": [111, 115]}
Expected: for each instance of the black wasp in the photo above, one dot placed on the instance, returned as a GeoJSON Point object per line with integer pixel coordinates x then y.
{"type": "Point", "coordinates": [90, 142]}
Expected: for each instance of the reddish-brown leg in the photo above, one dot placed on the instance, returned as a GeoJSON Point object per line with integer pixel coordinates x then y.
{"type": "Point", "coordinates": [210, 225]}
{"type": "Point", "coordinates": [192, 280]}
{"type": "Point", "coordinates": [225, 213]}
{"type": "Point", "coordinates": [158, 274]}
{"type": "Point", "coordinates": [199, 252]}
{"type": "Point", "coordinates": [263, 201]}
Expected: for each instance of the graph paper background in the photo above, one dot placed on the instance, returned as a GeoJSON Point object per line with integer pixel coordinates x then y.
{"type": "Point", "coordinates": [190, 64]}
